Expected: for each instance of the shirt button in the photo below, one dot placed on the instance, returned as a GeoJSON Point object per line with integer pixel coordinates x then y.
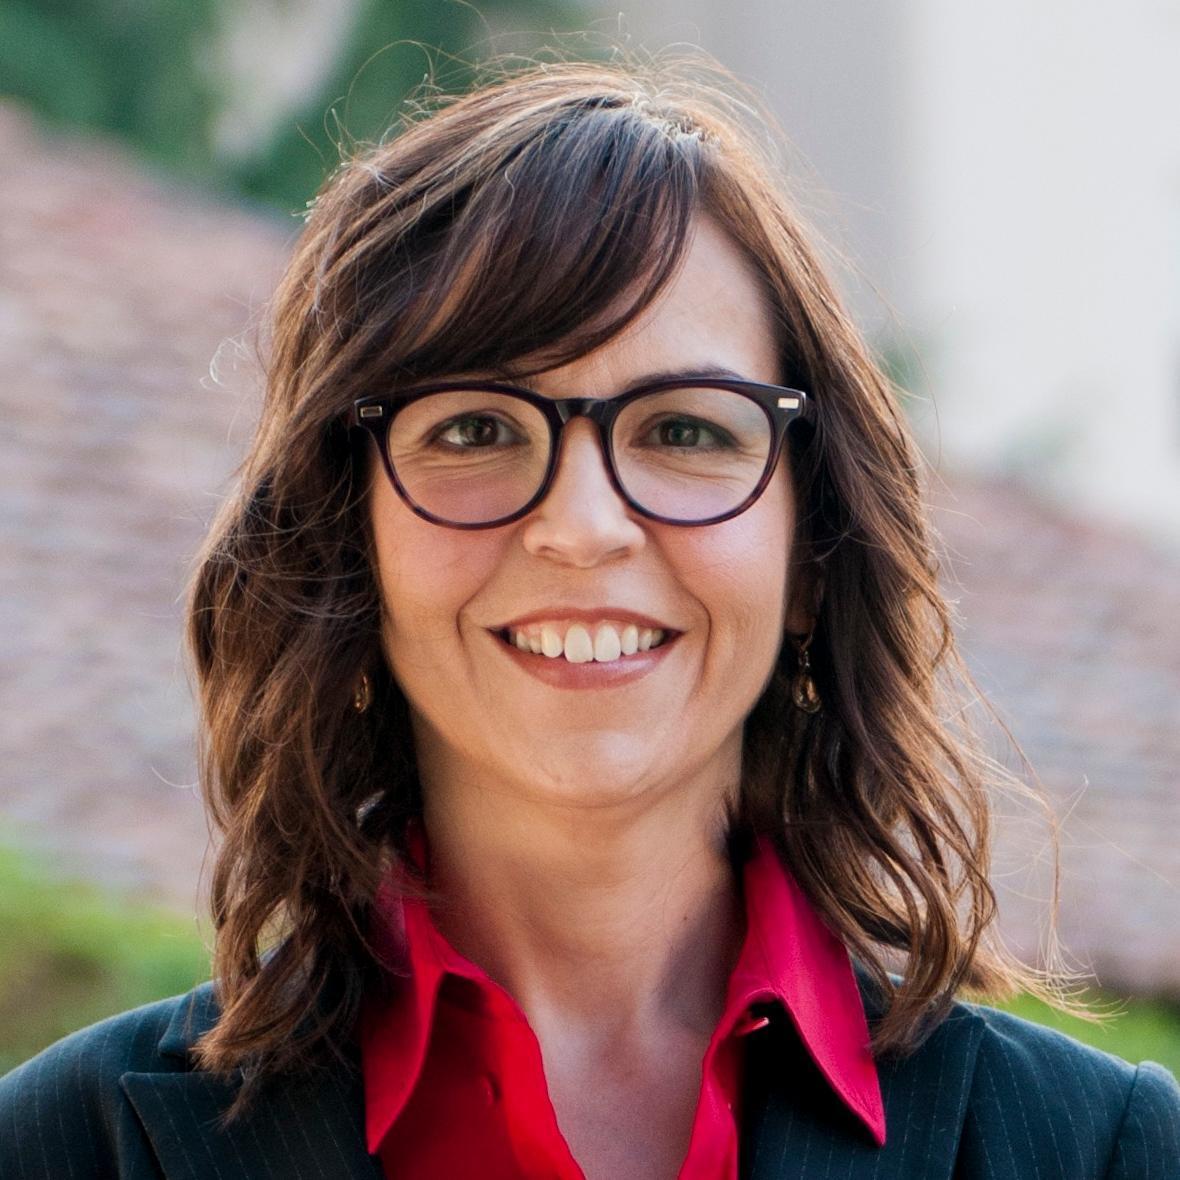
{"type": "Point", "coordinates": [489, 1091]}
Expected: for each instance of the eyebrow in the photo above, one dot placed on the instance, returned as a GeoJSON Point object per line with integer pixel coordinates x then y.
{"type": "Point", "coordinates": [720, 372]}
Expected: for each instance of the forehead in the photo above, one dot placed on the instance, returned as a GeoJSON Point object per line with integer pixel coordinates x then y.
{"type": "Point", "coordinates": [712, 319]}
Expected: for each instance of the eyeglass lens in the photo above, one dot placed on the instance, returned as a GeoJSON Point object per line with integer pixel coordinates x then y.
{"type": "Point", "coordinates": [687, 454]}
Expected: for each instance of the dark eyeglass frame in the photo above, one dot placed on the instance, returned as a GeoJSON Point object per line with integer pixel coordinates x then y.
{"type": "Point", "coordinates": [781, 405]}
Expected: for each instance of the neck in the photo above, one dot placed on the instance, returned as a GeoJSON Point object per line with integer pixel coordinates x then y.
{"type": "Point", "coordinates": [606, 920]}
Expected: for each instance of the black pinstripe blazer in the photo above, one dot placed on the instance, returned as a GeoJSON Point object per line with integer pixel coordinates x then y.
{"type": "Point", "coordinates": [986, 1097]}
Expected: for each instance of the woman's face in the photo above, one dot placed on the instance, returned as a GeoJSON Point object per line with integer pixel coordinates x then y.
{"type": "Point", "coordinates": [493, 718]}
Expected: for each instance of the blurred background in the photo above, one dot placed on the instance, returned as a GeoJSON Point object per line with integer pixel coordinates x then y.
{"type": "Point", "coordinates": [998, 188]}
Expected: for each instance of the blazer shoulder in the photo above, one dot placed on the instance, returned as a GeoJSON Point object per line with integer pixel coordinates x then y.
{"type": "Point", "coordinates": [138, 1039]}
{"type": "Point", "coordinates": [65, 1106]}
{"type": "Point", "coordinates": [1045, 1100]}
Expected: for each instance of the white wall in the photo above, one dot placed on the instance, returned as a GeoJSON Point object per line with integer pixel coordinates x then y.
{"type": "Point", "coordinates": [272, 56]}
{"type": "Point", "coordinates": [1044, 211]}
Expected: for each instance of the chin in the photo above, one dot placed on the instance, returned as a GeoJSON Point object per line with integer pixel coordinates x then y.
{"type": "Point", "coordinates": [591, 778]}
{"type": "Point", "coordinates": [590, 775]}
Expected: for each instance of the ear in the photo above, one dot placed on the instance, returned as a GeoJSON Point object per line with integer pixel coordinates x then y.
{"type": "Point", "coordinates": [804, 597]}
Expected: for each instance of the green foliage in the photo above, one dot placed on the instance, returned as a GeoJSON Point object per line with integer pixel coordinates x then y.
{"type": "Point", "coordinates": [393, 47]}
{"type": "Point", "coordinates": [141, 70]}
{"type": "Point", "coordinates": [70, 955]}
{"type": "Point", "coordinates": [128, 68]}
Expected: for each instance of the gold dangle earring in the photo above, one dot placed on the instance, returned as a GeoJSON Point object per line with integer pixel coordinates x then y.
{"type": "Point", "coordinates": [362, 696]}
{"type": "Point", "coordinates": [804, 693]}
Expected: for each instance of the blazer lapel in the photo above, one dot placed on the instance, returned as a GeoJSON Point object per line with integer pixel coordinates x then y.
{"type": "Point", "coordinates": [304, 1128]}
{"type": "Point", "coordinates": [795, 1126]}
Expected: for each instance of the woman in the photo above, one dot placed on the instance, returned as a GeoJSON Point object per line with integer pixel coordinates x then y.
{"type": "Point", "coordinates": [573, 670]}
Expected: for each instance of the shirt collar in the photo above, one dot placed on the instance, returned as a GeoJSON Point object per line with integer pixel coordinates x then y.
{"type": "Point", "coordinates": [789, 956]}
{"type": "Point", "coordinates": [792, 957]}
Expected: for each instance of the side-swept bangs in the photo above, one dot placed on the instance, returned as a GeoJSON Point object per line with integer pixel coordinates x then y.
{"type": "Point", "coordinates": [539, 236]}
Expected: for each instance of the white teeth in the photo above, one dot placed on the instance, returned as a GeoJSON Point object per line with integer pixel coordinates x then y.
{"type": "Point", "coordinates": [551, 643]}
{"type": "Point", "coordinates": [606, 644]}
{"type": "Point", "coordinates": [578, 647]}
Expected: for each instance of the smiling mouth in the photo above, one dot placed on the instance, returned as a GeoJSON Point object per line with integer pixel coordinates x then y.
{"type": "Point", "coordinates": [603, 643]}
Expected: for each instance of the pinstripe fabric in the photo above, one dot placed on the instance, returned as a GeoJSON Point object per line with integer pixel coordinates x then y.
{"type": "Point", "coordinates": [117, 1100]}
{"type": "Point", "coordinates": [986, 1097]}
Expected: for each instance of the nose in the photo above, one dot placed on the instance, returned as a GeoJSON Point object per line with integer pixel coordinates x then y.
{"type": "Point", "coordinates": [582, 521]}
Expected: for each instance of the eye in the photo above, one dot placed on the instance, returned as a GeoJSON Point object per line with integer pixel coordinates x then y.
{"type": "Point", "coordinates": [685, 433]}
{"type": "Point", "coordinates": [474, 431]}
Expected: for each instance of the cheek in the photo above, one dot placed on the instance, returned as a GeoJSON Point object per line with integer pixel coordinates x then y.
{"type": "Point", "coordinates": [753, 549]}
{"type": "Point", "coordinates": [739, 571]}
{"type": "Point", "coordinates": [426, 575]}
{"type": "Point", "coordinates": [740, 576]}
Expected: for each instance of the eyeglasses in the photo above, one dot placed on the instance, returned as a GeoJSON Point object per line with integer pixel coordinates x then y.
{"type": "Point", "coordinates": [691, 451]}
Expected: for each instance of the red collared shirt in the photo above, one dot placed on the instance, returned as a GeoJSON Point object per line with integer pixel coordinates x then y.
{"type": "Point", "coordinates": [454, 1080]}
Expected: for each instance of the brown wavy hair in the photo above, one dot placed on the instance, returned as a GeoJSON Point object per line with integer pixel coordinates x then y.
{"type": "Point", "coordinates": [517, 227]}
